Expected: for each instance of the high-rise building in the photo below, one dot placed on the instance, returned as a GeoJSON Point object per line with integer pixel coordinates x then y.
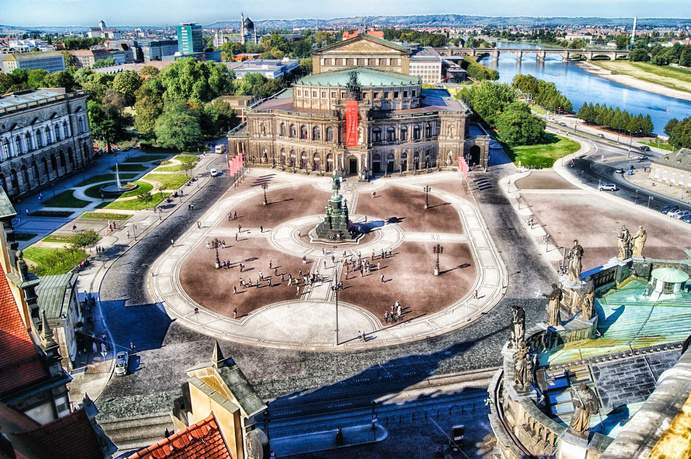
{"type": "Point", "coordinates": [190, 39]}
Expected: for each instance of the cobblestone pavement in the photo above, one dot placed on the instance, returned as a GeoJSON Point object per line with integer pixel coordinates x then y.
{"type": "Point", "coordinates": [166, 349]}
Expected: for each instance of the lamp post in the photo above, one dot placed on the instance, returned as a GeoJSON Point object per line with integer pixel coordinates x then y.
{"type": "Point", "coordinates": [218, 259]}
{"type": "Point", "coordinates": [427, 189]}
{"type": "Point", "coordinates": [335, 288]}
{"type": "Point", "coordinates": [438, 250]}
{"type": "Point", "coordinates": [264, 187]}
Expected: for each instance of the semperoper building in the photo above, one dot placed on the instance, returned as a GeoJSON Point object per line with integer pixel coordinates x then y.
{"type": "Point", "coordinates": [360, 112]}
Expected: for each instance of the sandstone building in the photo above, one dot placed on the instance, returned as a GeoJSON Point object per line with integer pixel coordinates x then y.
{"type": "Point", "coordinates": [361, 112]}
{"type": "Point", "coordinates": [44, 135]}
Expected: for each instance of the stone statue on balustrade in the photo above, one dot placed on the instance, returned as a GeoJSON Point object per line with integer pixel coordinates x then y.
{"type": "Point", "coordinates": [587, 301]}
{"type": "Point", "coordinates": [517, 325]}
{"type": "Point", "coordinates": [523, 367]}
{"type": "Point", "coordinates": [639, 240]}
{"type": "Point", "coordinates": [624, 244]}
{"type": "Point", "coordinates": [554, 305]}
{"type": "Point", "coordinates": [574, 264]}
{"type": "Point", "coordinates": [586, 403]}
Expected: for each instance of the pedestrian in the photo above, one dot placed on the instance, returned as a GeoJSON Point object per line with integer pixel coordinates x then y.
{"type": "Point", "coordinates": [239, 228]}
{"type": "Point", "coordinates": [235, 215]}
{"type": "Point", "coordinates": [324, 264]}
{"type": "Point", "coordinates": [172, 241]}
{"type": "Point", "coordinates": [398, 309]}
{"type": "Point", "coordinates": [131, 346]}
{"type": "Point", "coordinates": [199, 225]}
{"type": "Point", "coordinates": [196, 310]}
{"type": "Point", "coordinates": [236, 237]}
{"type": "Point", "coordinates": [276, 271]}
{"type": "Point", "coordinates": [298, 291]}
{"type": "Point", "coordinates": [261, 228]}
{"type": "Point", "coordinates": [363, 336]}
{"type": "Point", "coordinates": [374, 193]}
{"type": "Point", "coordinates": [378, 266]}
{"type": "Point", "coordinates": [235, 313]}
{"type": "Point", "coordinates": [304, 259]}
{"type": "Point", "coordinates": [381, 278]}
{"type": "Point", "coordinates": [235, 290]}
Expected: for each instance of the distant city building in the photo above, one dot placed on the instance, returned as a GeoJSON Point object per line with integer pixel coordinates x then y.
{"type": "Point", "coordinates": [673, 169]}
{"type": "Point", "coordinates": [156, 50]}
{"type": "Point", "coordinates": [25, 46]}
{"type": "Point", "coordinates": [270, 68]}
{"type": "Point", "coordinates": [240, 104]}
{"type": "Point", "coordinates": [362, 51]}
{"type": "Point", "coordinates": [44, 135]}
{"type": "Point", "coordinates": [137, 67]}
{"type": "Point", "coordinates": [190, 38]}
{"type": "Point", "coordinates": [348, 34]}
{"type": "Point", "coordinates": [248, 34]}
{"type": "Point", "coordinates": [88, 57]}
{"type": "Point", "coordinates": [426, 64]}
{"type": "Point", "coordinates": [103, 32]}
{"type": "Point", "coordinates": [50, 62]}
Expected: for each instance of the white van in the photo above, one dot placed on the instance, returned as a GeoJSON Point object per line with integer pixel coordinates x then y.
{"type": "Point", "coordinates": [220, 148]}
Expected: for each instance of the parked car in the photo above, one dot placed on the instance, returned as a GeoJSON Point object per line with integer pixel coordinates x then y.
{"type": "Point", "coordinates": [666, 209]}
{"type": "Point", "coordinates": [645, 148]}
{"type": "Point", "coordinates": [122, 361]}
{"type": "Point", "coordinates": [215, 172]}
{"type": "Point", "coordinates": [619, 170]}
{"type": "Point", "coordinates": [220, 148]}
{"type": "Point", "coordinates": [607, 187]}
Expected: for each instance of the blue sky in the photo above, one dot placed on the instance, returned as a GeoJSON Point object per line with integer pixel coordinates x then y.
{"type": "Point", "coordinates": [88, 12]}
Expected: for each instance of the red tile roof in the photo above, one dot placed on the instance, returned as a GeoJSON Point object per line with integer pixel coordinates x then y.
{"type": "Point", "coordinates": [68, 437]}
{"type": "Point", "coordinates": [20, 363]}
{"type": "Point", "coordinates": [200, 440]}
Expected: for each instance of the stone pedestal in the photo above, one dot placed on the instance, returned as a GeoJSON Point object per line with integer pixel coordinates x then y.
{"type": "Point", "coordinates": [571, 446]}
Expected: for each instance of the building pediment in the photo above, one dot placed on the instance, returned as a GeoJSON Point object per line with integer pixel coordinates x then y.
{"type": "Point", "coordinates": [364, 44]}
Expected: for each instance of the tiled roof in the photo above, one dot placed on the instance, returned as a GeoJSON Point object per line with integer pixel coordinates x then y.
{"type": "Point", "coordinates": [20, 363]}
{"type": "Point", "coordinates": [200, 440]}
{"type": "Point", "coordinates": [367, 77]}
{"type": "Point", "coordinates": [71, 436]}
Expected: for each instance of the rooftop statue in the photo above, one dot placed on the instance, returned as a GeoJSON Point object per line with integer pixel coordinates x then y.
{"type": "Point", "coordinates": [554, 305]}
{"type": "Point", "coordinates": [586, 404]}
{"type": "Point", "coordinates": [522, 366]}
{"type": "Point", "coordinates": [575, 263]}
{"type": "Point", "coordinates": [624, 244]}
{"type": "Point", "coordinates": [353, 86]}
{"type": "Point", "coordinates": [518, 325]}
{"type": "Point", "coordinates": [639, 241]}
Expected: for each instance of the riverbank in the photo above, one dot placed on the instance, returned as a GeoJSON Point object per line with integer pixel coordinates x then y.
{"type": "Point", "coordinates": [604, 70]}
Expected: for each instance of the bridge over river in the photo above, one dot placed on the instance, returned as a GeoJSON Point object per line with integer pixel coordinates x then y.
{"type": "Point", "coordinates": [540, 54]}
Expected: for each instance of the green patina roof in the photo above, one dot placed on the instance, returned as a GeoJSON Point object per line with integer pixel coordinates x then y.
{"type": "Point", "coordinates": [6, 208]}
{"type": "Point", "coordinates": [51, 294]}
{"type": "Point", "coordinates": [242, 390]}
{"type": "Point", "coordinates": [670, 275]}
{"type": "Point", "coordinates": [366, 77]}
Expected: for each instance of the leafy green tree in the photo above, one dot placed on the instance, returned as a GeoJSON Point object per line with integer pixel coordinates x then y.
{"type": "Point", "coordinates": [148, 106]}
{"type": "Point", "coordinates": [178, 128]}
{"type": "Point", "coordinates": [126, 83]}
{"type": "Point", "coordinates": [107, 122]}
{"type": "Point", "coordinates": [60, 80]}
{"type": "Point", "coordinates": [622, 41]}
{"type": "Point", "coordinates": [83, 239]}
{"type": "Point", "coordinates": [679, 132]}
{"type": "Point", "coordinates": [216, 118]}
{"type": "Point", "coordinates": [685, 57]}
{"type": "Point", "coordinates": [230, 49]}
{"type": "Point", "coordinates": [6, 82]}
{"type": "Point", "coordinates": [149, 71]}
{"type": "Point", "coordinates": [517, 126]}
{"type": "Point", "coordinates": [201, 81]}
{"type": "Point", "coordinates": [489, 99]}
{"type": "Point", "coordinates": [639, 55]}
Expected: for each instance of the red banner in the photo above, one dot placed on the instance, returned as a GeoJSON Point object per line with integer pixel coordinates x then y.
{"type": "Point", "coordinates": [463, 166]}
{"type": "Point", "coordinates": [351, 123]}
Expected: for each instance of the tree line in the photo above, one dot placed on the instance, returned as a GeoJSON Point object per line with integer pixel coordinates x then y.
{"type": "Point", "coordinates": [497, 104]}
{"type": "Point", "coordinates": [655, 53]}
{"type": "Point", "coordinates": [477, 71]}
{"type": "Point", "coordinates": [616, 119]}
{"type": "Point", "coordinates": [542, 93]}
{"type": "Point", "coordinates": [679, 132]}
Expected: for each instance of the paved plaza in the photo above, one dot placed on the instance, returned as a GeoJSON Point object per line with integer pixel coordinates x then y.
{"type": "Point", "coordinates": [274, 284]}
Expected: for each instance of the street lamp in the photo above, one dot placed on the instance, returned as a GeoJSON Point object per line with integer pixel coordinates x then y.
{"type": "Point", "coordinates": [264, 187]}
{"type": "Point", "coordinates": [335, 288]}
{"type": "Point", "coordinates": [427, 189]}
{"type": "Point", "coordinates": [547, 239]}
{"type": "Point", "coordinates": [438, 250]}
{"type": "Point", "coordinates": [218, 259]}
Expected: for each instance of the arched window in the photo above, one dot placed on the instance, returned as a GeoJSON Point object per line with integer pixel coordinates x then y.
{"type": "Point", "coordinates": [303, 132]}
{"type": "Point", "coordinates": [263, 129]}
{"type": "Point", "coordinates": [293, 131]}
{"type": "Point", "coordinates": [376, 135]}
{"type": "Point", "coordinates": [39, 138]}
{"type": "Point", "coordinates": [282, 130]}
{"type": "Point", "coordinates": [18, 149]}
{"type": "Point", "coordinates": [390, 134]}
{"type": "Point", "coordinates": [316, 133]}
{"type": "Point", "coordinates": [5, 148]}
{"type": "Point", "coordinates": [56, 128]}
{"type": "Point", "coordinates": [49, 137]}
{"type": "Point", "coordinates": [329, 134]}
{"type": "Point", "coordinates": [65, 130]}
{"type": "Point", "coordinates": [29, 142]}
{"type": "Point", "coordinates": [404, 133]}
{"type": "Point", "coordinates": [416, 133]}
{"type": "Point", "coordinates": [428, 130]}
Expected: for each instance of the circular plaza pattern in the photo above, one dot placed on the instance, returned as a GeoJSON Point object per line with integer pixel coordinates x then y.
{"type": "Point", "coordinates": [274, 284]}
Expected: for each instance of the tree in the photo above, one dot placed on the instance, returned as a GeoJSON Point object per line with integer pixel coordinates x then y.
{"type": "Point", "coordinates": [517, 126]}
{"type": "Point", "coordinates": [178, 128]}
{"type": "Point", "coordinates": [148, 106]}
{"type": "Point", "coordinates": [230, 49]}
{"type": "Point", "coordinates": [639, 55]}
{"type": "Point", "coordinates": [217, 117]}
{"type": "Point", "coordinates": [189, 79]}
{"type": "Point", "coordinates": [489, 99]}
{"type": "Point", "coordinates": [83, 239]}
{"type": "Point", "coordinates": [126, 83]}
{"type": "Point", "coordinates": [35, 78]}
{"type": "Point", "coordinates": [622, 41]}
{"type": "Point", "coordinates": [149, 71]}
{"type": "Point", "coordinates": [685, 57]}
{"type": "Point", "coordinates": [60, 80]}
{"type": "Point", "coordinates": [679, 132]}
{"type": "Point", "coordinates": [106, 122]}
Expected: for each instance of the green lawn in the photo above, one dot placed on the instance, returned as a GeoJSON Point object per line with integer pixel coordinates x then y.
{"type": "Point", "coordinates": [65, 199]}
{"type": "Point", "coordinates": [659, 144]}
{"type": "Point", "coordinates": [24, 236]}
{"type": "Point", "coordinates": [167, 181]}
{"type": "Point", "coordinates": [67, 238]}
{"type": "Point", "coordinates": [543, 155]}
{"type": "Point", "coordinates": [146, 158]}
{"type": "Point", "coordinates": [137, 204]}
{"type": "Point", "coordinates": [671, 77]}
{"type": "Point", "coordinates": [104, 216]}
{"type": "Point", "coordinates": [95, 191]}
{"type": "Point", "coordinates": [130, 167]}
{"type": "Point", "coordinates": [665, 71]}
{"type": "Point", "coordinates": [46, 261]}
{"type": "Point", "coordinates": [104, 178]}
{"type": "Point", "coordinates": [185, 158]}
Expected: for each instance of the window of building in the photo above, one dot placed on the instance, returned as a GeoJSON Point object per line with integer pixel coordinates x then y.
{"type": "Point", "coordinates": [416, 133]}
{"type": "Point", "coordinates": [395, 94]}
{"type": "Point", "coordinates": [390, 134]}
{"type": "Point", "coordinates": [316, 133]}
{"type": "Point", "coordinates": [303, 132]}
{"type": "Point", "coordinates": [329, 134]}
{"type": "Point", "coordinates": [376, 135]}
{"type": "Point", "coordinates": [386, 94]}
{"type": "Point", "coordinates": [404, 133]}
{"type": "Point", "coordinates": [405, 94]}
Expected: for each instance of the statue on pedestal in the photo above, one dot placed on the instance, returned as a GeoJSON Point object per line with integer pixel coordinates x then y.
{"type": "Point", "coordinates": [585, 403]}
{"type": "Point", "coordinates": [624, 244]}
{"type": "Point", "coordinates": [553, 306]}
{"type": "Point", "coordinates": [587, 302]}
{"type": "Point", "coordinates": [518, 325]}
{"type": "Point", "coordinates": [574, 262]}
{"type": "Point", "coordinates": [522, 366]}
{"type": "Point", "coordinates": [639, 241]}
